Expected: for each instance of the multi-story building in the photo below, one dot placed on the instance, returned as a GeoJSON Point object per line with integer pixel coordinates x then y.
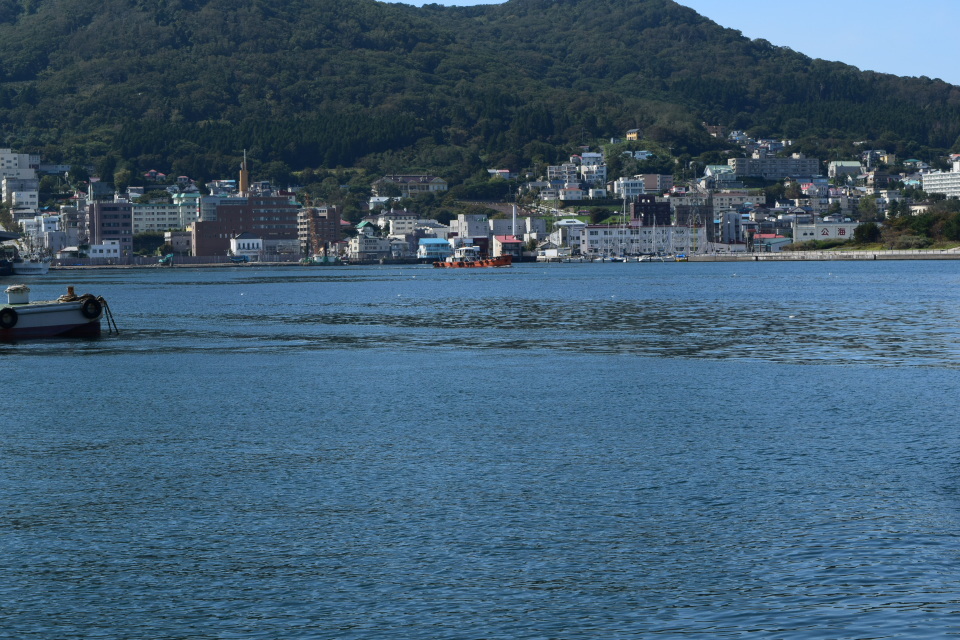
{"type": "Point", "coordinates": [46, 231]}
{"type": "Point", "coordinates": [397, 222]}
{"type": "Point", "coordinates": [629, 188]}
{"type": "Point", "coordinates": [156, 217]}
{"type": "Point", "coordinates": [600, 240]}
{"type": "Point", "coordinates": [594, 173]}
{"type": "Point", "coordinates": [656, 182]}
{"type": "Point", "coordinates": [945, 182]}
{"type": "Point", "coordinates": [470, 225]}
{"type": "Point", "coordinates": [410, 185]}
{"type": "Point", "coordinates": [189, 207]}
{"type": "Point", "coordinates": [18, 165]}
{"type": "Point", "coordinates": [565, 173]}
{"type": "Point", "coordinates": [589, 159]}
{"type": "Point", "coordinates": [22, 194]}
{"type": "Point", "coordinates": [273, 218]}
{"type": "Point", "coordinates": [649, 210]}
{"type": "Point", "coordinates": [317, 228]}
{"type": "Point", "coordinates": [179, 240]}
{"type": "Point", "coordinates": [775, 168]}
{"type": "Point", "coordinates": [731, 199]}
{"type": "Point", "coordinates": [108, 221]}
{"type": "Point", "coordinates": [365, 247]}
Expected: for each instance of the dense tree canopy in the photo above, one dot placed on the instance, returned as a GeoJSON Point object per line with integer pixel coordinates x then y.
{"type": "Point", "coordinates": [185, 85]}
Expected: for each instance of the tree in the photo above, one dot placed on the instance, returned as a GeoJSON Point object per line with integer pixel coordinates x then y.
{"type": "Point", "coordinates": [147, 243]}
{"type": "Point", "coordinates": [121, 180]}
{"type": "Point", "coordinates": [867, 233]}
{"type": "Point", "coordinates": [78, 174]}
{"type": "Point", "coordinates": [867, 208]}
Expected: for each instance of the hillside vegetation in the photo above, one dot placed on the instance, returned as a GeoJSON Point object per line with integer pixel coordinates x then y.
{"type": "Point", "coordinates": [186, 85]}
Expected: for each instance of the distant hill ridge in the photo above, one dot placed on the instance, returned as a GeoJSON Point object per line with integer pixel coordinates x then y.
{"type": "Point", "coordinates": [185, 85]}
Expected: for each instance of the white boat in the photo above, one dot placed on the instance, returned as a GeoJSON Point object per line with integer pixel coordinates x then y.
{"type": "Point", "coordinates": [31, 266]}
{"type": "Point", "coordinates": [68, 316]}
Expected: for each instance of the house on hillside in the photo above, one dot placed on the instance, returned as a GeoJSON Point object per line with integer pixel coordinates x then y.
{"type": "Point", "coordinates": [409, 185]}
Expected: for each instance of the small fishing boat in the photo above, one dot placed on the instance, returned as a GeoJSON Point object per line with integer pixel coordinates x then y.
{"type": "Point", "coordinates": [31, 265]}
{"type": "Point", "coordinates": [469, 256]}
{"type": "Point", "coordinates": [69, 315]}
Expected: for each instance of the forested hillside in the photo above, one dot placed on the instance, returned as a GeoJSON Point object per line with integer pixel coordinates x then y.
{"type": "Point", "coordinates": [186, 85]}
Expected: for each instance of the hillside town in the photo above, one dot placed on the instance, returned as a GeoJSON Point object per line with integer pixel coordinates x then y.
{"type": "Point", "coordinates": [715, 209]}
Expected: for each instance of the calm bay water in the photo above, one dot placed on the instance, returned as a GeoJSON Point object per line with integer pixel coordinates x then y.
{"type": "Point", "coordinates": [562, 451]}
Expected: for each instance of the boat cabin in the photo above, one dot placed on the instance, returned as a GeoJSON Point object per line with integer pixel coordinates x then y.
{"type": "Point", "coordinates": [467, 253]}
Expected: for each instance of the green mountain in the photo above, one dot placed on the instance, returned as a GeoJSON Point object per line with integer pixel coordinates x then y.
{"type": "Point", "coordinates": [186, 85]}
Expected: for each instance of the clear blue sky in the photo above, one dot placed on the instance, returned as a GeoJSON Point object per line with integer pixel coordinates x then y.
{"type": "Point", "coordinates": [914, 38]}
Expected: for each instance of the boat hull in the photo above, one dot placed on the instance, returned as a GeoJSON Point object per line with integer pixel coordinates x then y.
{"type": "Point", "coordinates": [499, 261]}
{"type": "Point", "coordinates": [50, 320]}
{"type": "Point", "coordinates": [31, 268]}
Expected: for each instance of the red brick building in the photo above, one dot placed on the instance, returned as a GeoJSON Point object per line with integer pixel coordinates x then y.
{"type": "Point", "coordinates": [272, 218]}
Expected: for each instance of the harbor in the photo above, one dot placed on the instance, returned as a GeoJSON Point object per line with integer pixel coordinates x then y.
{"type": "Point", "coordinates": [742, 448]}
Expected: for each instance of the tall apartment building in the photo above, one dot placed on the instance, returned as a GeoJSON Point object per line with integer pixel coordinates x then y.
{"type": "Point", "coordinates": [110, 221]}
{"type": "Point", "coordinates": [318, 227]}
{"type": "Point", "coordinates": [775, 168]}
{"type": "Point", "coordinates": [945, 182]}
{"type": "Point", "coordinates": [156, 217]}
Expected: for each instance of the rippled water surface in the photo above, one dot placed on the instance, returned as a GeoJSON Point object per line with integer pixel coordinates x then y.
{"type": "Point", "coordinates": [562, 451]}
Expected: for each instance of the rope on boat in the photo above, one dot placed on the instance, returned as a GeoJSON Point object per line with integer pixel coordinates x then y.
{"type": "Point", "coordinates": [109, 314]}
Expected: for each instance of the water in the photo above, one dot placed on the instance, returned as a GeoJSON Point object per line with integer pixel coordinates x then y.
{"type": "Point", "coordinates": [562, 451]}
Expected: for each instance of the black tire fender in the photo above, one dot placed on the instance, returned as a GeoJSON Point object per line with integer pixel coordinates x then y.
{"type": "Point", "coordinates": [91, 309]}
{"type": "Point", "coordinates": [8, 318]}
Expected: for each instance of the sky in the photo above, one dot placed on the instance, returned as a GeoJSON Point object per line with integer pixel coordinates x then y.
{"type": "Point", "coordinates": [890, 36]}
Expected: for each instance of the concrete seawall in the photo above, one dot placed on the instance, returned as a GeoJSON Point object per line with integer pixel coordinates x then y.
{"type": "Point", "coordinates": [797, 256]}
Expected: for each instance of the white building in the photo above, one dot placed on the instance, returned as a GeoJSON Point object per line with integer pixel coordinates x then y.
{"type": "Point", "coordinates": [629, 188]}
{"type": "Point", "coordinates": [824, 231]}
{"type": "Point", "coordinates": [22, 194]}
{"type": "Point", "coordinates": [594, 174]}
{"type": "Point", "coordinates": [110, 249]}
{"type": "Point", "coordinates": [246, 244]}
{"type": "Point", "coordinates": [21, 166]}
{"type": "Point", "coordinates": [590, 159]}
{"type": "Point", "coordinates": [945, 182]}
{"type": "Point", "coordinates": [47, 231]}
{"type": "Point", "coordinates": [571, 193]}
{"type": "Point", "coordinates": [156, 217]}
{"type": "Point", "coordinates": [601, 240]}
{"type": "Point", "coordinates": [844, 168]}
{"type": "Point", "coordinates": [189, 208]}
{"type": "Point", "coordinates": [368, 247]}
{"type": "Point", "coordinates": [564, 172]}
{"type": "Point", "coordinates": [470, 225]}
{"type": "Point", "coordinates": [433, 249]}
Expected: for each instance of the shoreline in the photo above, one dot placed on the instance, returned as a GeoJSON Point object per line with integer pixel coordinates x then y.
{"type": "Point", "coordinates": [785, 256]}
{"type": "Point", "coordinates": [826, 256]}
